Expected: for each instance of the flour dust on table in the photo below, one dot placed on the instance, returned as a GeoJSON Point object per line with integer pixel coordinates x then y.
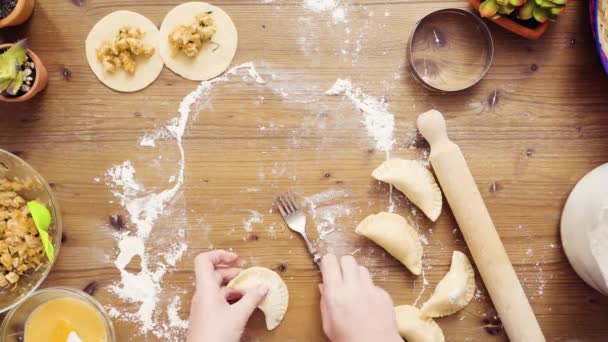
{"type": "Point", "coordinates": [143, 290]}
{"type": "Point", "coordinates": [147, 303]}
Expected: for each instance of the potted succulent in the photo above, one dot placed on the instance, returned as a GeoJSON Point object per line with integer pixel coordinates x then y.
{"type": "Point", "coordinates": [22, 74]}
{"type": "Point", "coordinates": [527, 18]}
{"type": "Point", "coordinates": [15, 12]}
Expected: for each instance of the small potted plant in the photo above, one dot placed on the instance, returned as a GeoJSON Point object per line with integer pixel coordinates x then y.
{"type": "Point", "coordinates": [22, 74]}
{"type": "Point", "coordinates": [15, 12]}
{"type": "Point", "coordinates": [527, 18]}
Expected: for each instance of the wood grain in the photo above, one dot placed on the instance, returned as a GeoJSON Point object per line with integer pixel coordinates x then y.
{"type": "Point", "coordinates": [535, 125]}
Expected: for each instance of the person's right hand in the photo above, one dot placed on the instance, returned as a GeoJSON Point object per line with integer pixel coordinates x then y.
{"type": "Point", "coordinates": [212, 317]}
{"type": "Point", "coordinates": [353, 309]}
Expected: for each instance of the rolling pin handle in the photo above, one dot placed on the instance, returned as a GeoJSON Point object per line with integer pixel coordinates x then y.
{"type": "Point", "coordinates": [432, 126]}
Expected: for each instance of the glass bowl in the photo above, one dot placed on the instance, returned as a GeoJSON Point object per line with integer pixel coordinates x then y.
{"type": "Point", "coordinates": [15, 168]}
{"type": "Point", "coordinates": [14, 323]}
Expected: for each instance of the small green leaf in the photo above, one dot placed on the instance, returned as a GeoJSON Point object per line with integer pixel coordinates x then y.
{"type": "Point", "coordinates": [215, 46]}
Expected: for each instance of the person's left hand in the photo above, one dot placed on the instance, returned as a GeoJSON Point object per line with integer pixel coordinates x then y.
{"type": "Point", "coordinates": [212, 317]}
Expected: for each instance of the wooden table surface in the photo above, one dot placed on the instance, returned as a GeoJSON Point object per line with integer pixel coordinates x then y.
{"type": "Point", "coordinates": [536, 123]}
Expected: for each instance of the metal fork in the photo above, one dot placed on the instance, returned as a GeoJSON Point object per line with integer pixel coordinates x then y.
{"type": "Point", "coordinates": [296, 220]}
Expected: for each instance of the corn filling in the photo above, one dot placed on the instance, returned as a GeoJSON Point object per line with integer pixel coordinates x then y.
{"type": "Point", "coordinates": [20, 246]}
{"type": "Point", "coordinates": [189, 39]}
{"type": "Point", "coordinates": [122, 50]}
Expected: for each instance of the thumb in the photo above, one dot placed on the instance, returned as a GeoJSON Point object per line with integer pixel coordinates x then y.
{"type": "Point", "coordinates": [250, 300]}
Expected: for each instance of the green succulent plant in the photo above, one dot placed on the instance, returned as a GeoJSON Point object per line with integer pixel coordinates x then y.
{"type": "Point", "coordinates": [11, 75]}
{"type": "Point", "coordinates": [540, 10]}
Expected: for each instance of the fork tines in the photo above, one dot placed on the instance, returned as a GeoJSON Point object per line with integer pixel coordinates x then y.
{"type": "Point", "coordinates": [287, 204]}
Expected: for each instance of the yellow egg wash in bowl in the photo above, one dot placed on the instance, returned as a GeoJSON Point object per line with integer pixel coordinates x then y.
{"type": "Point", "coordinates": [60, 319]}
{"type": "Point", "coordinates": [58, 315]}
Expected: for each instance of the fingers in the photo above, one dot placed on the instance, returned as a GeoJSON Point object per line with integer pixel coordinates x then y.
{"type": "Point", "coordinates": [221, 257]}
{"type": "Point", "coordinates": [250, 300]}
{"type": "Point", "coordinates": [225, 275]}
{"type": "Point", "coordinates": [231, 295]}
{"type": "Point", "coordinates": [350, 269]}
{"type": "Point", "coordinates": [384, 296]}
{"type": "Point", "coordinates": [324, 312]}
{"type": "Point", "coordinates": [204, 266]}
{"type": "Point", "coordinates": [330, 269]}
{"type": "Point", "coordinates": [365, 277]}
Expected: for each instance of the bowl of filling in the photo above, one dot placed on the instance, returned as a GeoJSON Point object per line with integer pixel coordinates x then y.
{"type": "Point", "coordinates": [30, 230]}
{"type": "Point", "coordinates": [599, 26]}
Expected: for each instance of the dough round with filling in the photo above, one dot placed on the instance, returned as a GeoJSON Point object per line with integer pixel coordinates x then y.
{"type": "Point", "coordinates": [148, 68]}
{"type": "Point", "coordinates": [208, 63]}
{"type": "Point", "coordinates": [275, 304]}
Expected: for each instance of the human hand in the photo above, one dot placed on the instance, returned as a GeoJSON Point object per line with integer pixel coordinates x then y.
{"type": "Point", "coordinates": [353, 309]}
{"type": "Point", "coordinates": [212, 317]}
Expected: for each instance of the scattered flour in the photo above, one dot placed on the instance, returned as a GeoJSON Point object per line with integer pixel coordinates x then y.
{"type": "Point", "coordinates": [145, 207]}
{"type": "Point", "coordinates": [425, 282]}
{"type": "Point", "coordinates": [480, 295]}
{"type": "Point", "coordinates": [320, 5]}
{"type": "Point", "coordinates": [540, 279]}
{"type": "Point", "coordinates": [324, 212]}
{"type": "Point", "coordinates": [173, 312]}
{"type": "Point", "coordinates": [175, 252]}
{"type": "Point", "coordinates": [424, 240]}
{"type": "Point", "coordinates": [256, 217]}
{"type": "Point", "coordinates": [149, 140]}
{"type": "Point", "coordinates": [379, 122]}
{"type": "Point", "coordinates": [325, 218]}
{"type": "Point", "coordinates": [338, 15]}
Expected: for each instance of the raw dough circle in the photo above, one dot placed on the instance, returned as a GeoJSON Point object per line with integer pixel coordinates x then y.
{"type": "Point", "coordinates": [207, 64]}
{"type": "Point", "coordinates": [583, 217]}
{"type": "Point", "coordinates": [148, 68]}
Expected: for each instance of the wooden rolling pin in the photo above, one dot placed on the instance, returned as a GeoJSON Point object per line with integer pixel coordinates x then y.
{"type": "Point", "coordinates": [479, 232]}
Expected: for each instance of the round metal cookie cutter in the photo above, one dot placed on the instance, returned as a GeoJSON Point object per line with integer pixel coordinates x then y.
{"type": "Point", "coordinates": [450, 50]}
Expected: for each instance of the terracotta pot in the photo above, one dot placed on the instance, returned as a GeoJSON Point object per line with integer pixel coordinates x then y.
{"type": "Point", "coordinates": [515, 27]}
{"type": "Point", "coordinates": [21, 13]}
{"type": "Point", "coordinates": [42, 78]}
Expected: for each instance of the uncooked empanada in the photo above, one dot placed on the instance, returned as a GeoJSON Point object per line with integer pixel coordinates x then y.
{"type": "Point", "coordinates": [275, 304]}
{"type": "Point", "coordinates": [396, 236]}
{"type": "Point", "coordinates": [415, 328]}
{"type": "Point", "coordinates": [454, 291]}
{"type": "Point", "coordinates": [415, 181]}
